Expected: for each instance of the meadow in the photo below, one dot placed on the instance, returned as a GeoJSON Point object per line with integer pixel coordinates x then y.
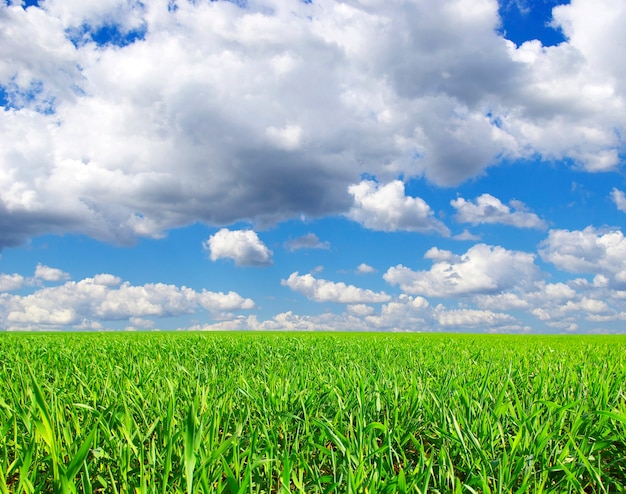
{"type": "Point", "coordinates": [311, 413]}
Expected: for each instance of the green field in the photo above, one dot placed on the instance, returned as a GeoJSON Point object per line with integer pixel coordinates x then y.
{"type": "Point", "coordinates": [316, 412]}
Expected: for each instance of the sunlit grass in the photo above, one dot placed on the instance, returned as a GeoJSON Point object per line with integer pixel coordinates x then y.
{"type": "Point", "coordinates": [286, 412]}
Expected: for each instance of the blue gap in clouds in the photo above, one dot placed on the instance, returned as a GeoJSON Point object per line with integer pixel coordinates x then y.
{"type": "Point", "coordinates": [24, 3]}
{"type": "Point", "coordinates": [112, 35]}
{"type": "Point", "coordinates": [107, 35]}
{"type": "Point", "coordinates": [13, 97]}
{"type": "Point", "coordinates": [525, 20]}
{"type": "Point", "coordinates": [4, 98]}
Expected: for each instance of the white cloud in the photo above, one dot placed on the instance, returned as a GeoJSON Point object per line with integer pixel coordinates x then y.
{"type": "Point", "coordinates": [47, 273]}
{"type": "Point", "coordinates": [437, 254]}
{"type": "Point", "coordinates": [483, 269]}
{"type": "Point", "coordinates": [222, 113]}
{"type": "Point", "coordinates": [600, 252]}
{"type": "Point", "coordinates": [219, 301]}
{"type": "Point", "coordinates": [105, 298]}
{"type": "Point", "coordinates": [466, 235]}
{"type": "Point", "coordinates": [387, 208]}
{"type": "Point", "coordinates": [489, 209]}
{"type": "Point", "coordinates": [405, 313]}
{"type": "Point", "coordinates": [361, 309]}
{"type": "Point", "coordinates": [619, 198]}
{"type": "Point", "coordinates": [242, 246]}
{"type": "Point", "coordinates": [471, 318]}
{"type": "Point", "coordinates": [365, 269]}
{"type": "Point", "coordinates": [540, 294]}
{"type": "Point", "coordinates": [10, 282]}
{"type": "Point", "coordinates": [288, 137]}
{"type": "Point", "coordinates": [106, 279]}
{"type": "Point", "coordinates": [308, 241]}
{"type": "Point", "coordinates": [321, 290]}
{"type": "Point", "coordinates": [139, 323]}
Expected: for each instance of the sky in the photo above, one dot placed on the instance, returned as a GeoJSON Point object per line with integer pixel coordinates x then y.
{"type": "Point", "coordinates": [357, 165]}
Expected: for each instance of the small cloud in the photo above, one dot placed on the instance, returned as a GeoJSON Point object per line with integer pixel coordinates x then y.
{"type": "Point", "coordinates": [361, 310]}
{"type": "Point", "coordinates": [386, 208]}
{"type": "Point", "coordinates": [591, 251]}
{"type": "Point", "coordinates": [483, 269]}
{"type": "Point", "coordinates": [328, 291]}
{"type": "Point", "coordinates": [242, 246]}
{"type": "Point", "coordinates": [437, 254]}
{"type": "Point", "coordinates": [308, 241]}
{"type": "Point", "coordinates": [619, 198]}
{"type": "Point", "coordinates": [140, 323]}
{"type": "Point", "coordinates": [471, 318]}
{"type": "Point", "coordinates": [10, 282]}
{"type": "Point", "coordinates": [466, 235]}
{"type": "Point", "coordinates": [489, 209]}
{"type": "Point", "coordinates": [105, 279]}
{"type": "Point", "coordinates": [365, 269]}
{"type": "Point", "coordinates": [47, 273]}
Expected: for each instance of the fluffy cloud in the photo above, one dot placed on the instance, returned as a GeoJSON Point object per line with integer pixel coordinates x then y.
{"type": "Point", "coordinates": [365, 269]}
{"type": "Point", "coordinates": [471, 318]}
{"type": "Point", "coordinates": [489, 209]}
{"type": "Point", "coordinates": [47, 273]}
{"type": "Point", "coordinates": [405, 313]}
{"type": "Point", "coordinates": [222, 112]}
{"type": "Point", "coordinates": [10, 282]}
{"type": "Point", "coordinates": [360, 309]}
{"type": "Point", "coordinates": [482, 269]}
{"type": "Point", "coordinates": [327, 291]}
{"type": "Point", "coordinates": [308, 241]}
{"type": "Point", "coordinates": [619, 198]}
{"type": "Point", "coordinates": [590, 251]}
{"type": "Point", "coordinates": [105, 298]}
{"type": "Point", "coordinates": [242, 246]}
{"type": "Point", "coordinates": [386, 208]}
{"type": "Point", "coordinates": [540, 295]}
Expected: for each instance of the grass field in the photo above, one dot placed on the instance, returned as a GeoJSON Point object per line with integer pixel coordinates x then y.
{"type": "Point", "coordinates": [317, 412]}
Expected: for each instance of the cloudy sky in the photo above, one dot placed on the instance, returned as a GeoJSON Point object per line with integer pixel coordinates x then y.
{"type": "Point", "coordinates": [286, 164]}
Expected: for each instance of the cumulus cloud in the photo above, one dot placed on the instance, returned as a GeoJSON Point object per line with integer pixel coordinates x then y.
{"type": "Point", "coordinates": [10, 282]}
{"type": "Point", "coordinates": [471, 318]}
{"type": "Point", "coordinates": [482, 269]}
{"type": "Point", "coordinates": [619, 198]}
{"type": "Point", "coordinates": [466, 235]}
{"type": "Point", "coordinates": [260, 111]}
{"type": "Point", "coordinates": [139, 323]}
{"type": "Point", "coordinates": [360, 309]}
{"type": "Point", "coordinates": [540, 295]}
{"type": "Point", "coordinates": [489, 209]}
{"type": "Point", "coordinates": [404, 313]}
{"type": "Point", "coordinates": [47, 273]}
{"type": "Point", "coordinates": [308, 241]}
{"type": "Point", "coordinates": [106, 298]}
{"type": "Point", "coordinates": [242, 246]}
{"type": "Point", "coordinates": [387, 208]}
{"type": "Point", "coordinates": [365, 269]}
{"type": "Point", "coordinates": [590, 251]}
{"type": "Point", "coordinates": [321, 290]}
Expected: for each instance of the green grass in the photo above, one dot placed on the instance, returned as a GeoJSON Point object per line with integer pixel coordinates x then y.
{"type": "Point", "coordinates": [313, 413]}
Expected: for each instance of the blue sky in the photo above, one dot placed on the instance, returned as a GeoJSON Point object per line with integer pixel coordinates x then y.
{"type": "Point", "coordinates": [358, 165]}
